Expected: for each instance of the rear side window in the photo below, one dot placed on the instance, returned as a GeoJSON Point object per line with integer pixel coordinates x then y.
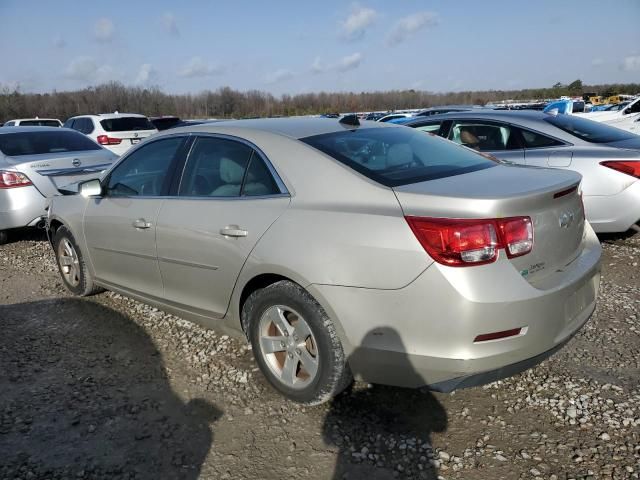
{"type": "Point", "coordinates": [36, 143]}
{"type": "Point", "coordinates": [537, 140]}
{"type": "Point", "coordinates": [588, 130]}
{"type": "Point", "coordinates": [485, 137]}
{"type": "Point", "coordinates": [125, 124]}
{"type": "Point", "coordinates": [398, 156]}
{"type": "Point", "coordinates": [219, 167]}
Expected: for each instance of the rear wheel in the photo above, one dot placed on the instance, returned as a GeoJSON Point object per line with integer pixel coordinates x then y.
{"type": "Point", "coordinates": [295, 343]}
{"type": "Point", "coordinates": [4, 237]}
{"type": "Point", "coordinates": [73, 269]}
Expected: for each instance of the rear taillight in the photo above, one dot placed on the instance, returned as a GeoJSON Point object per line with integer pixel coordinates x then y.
{"type": "Point", "coordinates": [630, 167]}
{"type": "Point", "coordinates": [13, 179]}
{"type": "Point", "coordinates": [107, 140]}
{"type": "Point", "coordinates": [466, 242]}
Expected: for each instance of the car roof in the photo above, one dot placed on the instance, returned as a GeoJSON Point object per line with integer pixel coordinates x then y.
{"type": "Point", "coordinates": [103, 116]}
{"type": "Point", "coordinates": [293, 127]}
{"type": "Point", "coordinates": [33, 128]}
{"type": "Point", "coordinates": [34, 118]}
{"type": "Point", "coordinates": [489, 114]}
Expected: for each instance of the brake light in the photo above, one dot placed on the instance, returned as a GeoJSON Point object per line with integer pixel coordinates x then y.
{"type": "Point", "coordinates": [466, 242]}
{"type": "Point", "coordinates": [13, 179]}
{"type": "Point", "coordinates": [630, 167]}
{"type": "Point", "coordinates": [107, 140]}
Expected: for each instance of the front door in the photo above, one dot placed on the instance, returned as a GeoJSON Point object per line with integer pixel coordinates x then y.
{"type": "Point", "coordinates": [227, 199]}
{"type": "Point", "coordinates": [120, 226]}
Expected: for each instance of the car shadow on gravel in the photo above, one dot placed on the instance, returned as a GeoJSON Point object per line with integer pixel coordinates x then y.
{"type": "Point", "coordinates": [380, 425]}
{"type": "Point", "coordinates": [26, 235]}
{"type": "Point", "coordinates": [84, 394]}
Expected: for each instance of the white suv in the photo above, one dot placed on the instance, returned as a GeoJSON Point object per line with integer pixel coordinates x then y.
{"type": "Point", "coordinates": [33, 122]}
{"type": "Point", "coordinates": [116, 131]}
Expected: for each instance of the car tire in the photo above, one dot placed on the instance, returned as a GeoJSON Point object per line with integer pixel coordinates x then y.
{"type": "Point", "coordinates": [4, 237]}
{"type": "Point", "coordinates": [71, 264]}
{"type": "Point", "coordinates": [295, 343]}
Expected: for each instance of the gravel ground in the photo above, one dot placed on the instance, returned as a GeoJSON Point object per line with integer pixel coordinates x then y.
{"type": "Point", "coordinates": [107, 387]}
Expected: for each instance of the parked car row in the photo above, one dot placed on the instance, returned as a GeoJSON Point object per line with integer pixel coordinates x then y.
{"type": "Point", "coordinates": [342, 248]}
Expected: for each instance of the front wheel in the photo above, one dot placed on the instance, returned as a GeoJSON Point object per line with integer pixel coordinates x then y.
{"type": "Point", "coordinates": [295, 343]}
{"type": "Point", "coordinates": [72, 266]}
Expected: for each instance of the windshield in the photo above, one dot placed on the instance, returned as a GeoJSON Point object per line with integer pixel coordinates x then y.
{"type": "Point", "coordinates": [40, 123]}
{"type": "Point", "coordinates": [588, 130]}
{"type": "Point", "coordinates": [125, 124]}
{"type": "Point", "coordinates": [36, 143]}
{"type": "Point", "coordinates": [398, 156]}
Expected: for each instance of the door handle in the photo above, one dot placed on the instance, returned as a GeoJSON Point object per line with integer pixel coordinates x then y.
{"type": "Point", "coordinates": [141, 224]}
{"type": "Point", "coordinates": [233, 231]}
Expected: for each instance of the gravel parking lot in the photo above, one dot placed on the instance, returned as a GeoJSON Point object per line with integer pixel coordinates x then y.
{"type": "Point", "coordinates": [107, 387]}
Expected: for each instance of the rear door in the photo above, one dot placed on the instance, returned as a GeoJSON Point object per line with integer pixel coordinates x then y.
{"type": "Point", "coordinates": [120, 226]}
{"type": "Point", "coordinates": [228, 197]}
{"type": "Point", "coordinates": [545, 151]}
{"type": "Point", "coordinates": [496, 138]}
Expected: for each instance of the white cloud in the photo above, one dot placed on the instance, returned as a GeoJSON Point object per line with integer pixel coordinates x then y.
{"type": "Point", "coordinates": [280, 75]}
{"type": "Point", "coordinates": [346, 63]}
{"type": "Point", "coordinates": [103, 30]}
{"type": "Point", "coordinates": [631, 63]}
{"type": "Point", "coordinates": [170, 24]}
{"type": "Point", "coordinates": [317, 66]}
{"type": "Point", "coordinates": [349, 62]}
{"type": "Point", "coordinates": [197, 67]}
{"type": "Point", "coordinates": [596, 62]}
{"type": "Point", "coordinates": [356, 24]}
{"type": "Point", "coordinates": [87, 70]}
{"type": "Point", "coordinates": [411, 24]}
{"type": "Point", "coordinates": [146, 75]}
{"type": "Point", "coordinates": [59, 42]}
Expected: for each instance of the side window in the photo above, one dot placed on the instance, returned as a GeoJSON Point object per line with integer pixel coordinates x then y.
{"type": "Point", "coordinates": [215, 168]}
{"type": "Point", "coordinates": [485, 137]}
{"type": "Point", "coordinates": [68, 123]}
{"type": "Point", "coordinates": [145, 171]}
{"type": "Point", "coordinates": [259, 180]}
{"type": "Point", "coordinates": [87, 126]}
{"type": "Point", "coordinates": [537, 140]}
{"type": "Point", "coordinates": [635, 108]}
{"type": "Point", "coordinates": [10, 124]}
{"type": "Point", "coordinates": [430, 128]}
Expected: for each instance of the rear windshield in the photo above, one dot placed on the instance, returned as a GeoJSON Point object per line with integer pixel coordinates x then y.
{"type": "Point", "coordinates": [398, 156]}
{"type": "Point", "coordinates": [39, 123]}
{"type": "Point", "coordinates": [588, 130]}
{"type": "Point", "coordinates": [36, 143]}
{"type": "Point", "coordinates": [125, 124]}
{"type": "Point", "coordinates": [166, 123]}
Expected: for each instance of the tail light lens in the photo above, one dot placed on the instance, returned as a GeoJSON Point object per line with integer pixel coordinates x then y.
{"type": "Point", "coordinates": [463, 242]}
{"type": "Point", "coordinates": [630, 167]}
{"type": "Point", "coordinates": [107, 140]}
{"type": "Point", "coordinates": [13, 179]}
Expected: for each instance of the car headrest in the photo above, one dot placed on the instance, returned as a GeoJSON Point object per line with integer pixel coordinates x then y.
{"type": "Point", "coordinates": [399, 154]}
{"type": "Point", "coordinates": [230, 171]}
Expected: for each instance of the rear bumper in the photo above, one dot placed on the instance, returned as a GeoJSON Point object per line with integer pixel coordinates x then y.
{"type": "Point", "coordinates": [21, 207]}
{"type": "Point", "coordinates": [614, 213]}
{"type": "Point", "coordinates": [423, 334]}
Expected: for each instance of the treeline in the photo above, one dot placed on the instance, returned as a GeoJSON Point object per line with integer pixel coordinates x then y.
{"type": "Point", "coordinates": [228, 103]}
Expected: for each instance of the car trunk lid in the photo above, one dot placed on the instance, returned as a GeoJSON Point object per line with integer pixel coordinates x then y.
{"type": "Point", "coordinates": [51, 171]}
{"type": "Point", "coordinates": [551, 198]}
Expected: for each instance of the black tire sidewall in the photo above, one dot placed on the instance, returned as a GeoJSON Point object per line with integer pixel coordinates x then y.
{"type": "Point", "coordinates": [4, 237]}
{"type": "Point", "coordinates": [290, 295]}
{"type": "Point", "coordinates": [82, 288]}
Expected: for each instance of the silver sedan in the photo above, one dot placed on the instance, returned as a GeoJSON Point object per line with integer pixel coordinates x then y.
{"type": "Point", "coordinates": [607, 158]}
{"type": "Point", "coordinates": [34, 163]}
{"type": "Point", "coordinates": [340, 250]}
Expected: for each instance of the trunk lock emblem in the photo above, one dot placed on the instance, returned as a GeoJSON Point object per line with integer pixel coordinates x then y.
{"type": "Point", "coordinates": [566, 219]}
{"type": "Point", "coordinates": [76, 162]}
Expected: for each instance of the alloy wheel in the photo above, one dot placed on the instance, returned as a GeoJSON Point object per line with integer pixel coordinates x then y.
{"type": "Point", "coordinates": [69, 262]}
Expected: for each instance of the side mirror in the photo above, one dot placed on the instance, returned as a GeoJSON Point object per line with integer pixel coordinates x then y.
{"type": "Point", "coordinates": [90, 188]}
